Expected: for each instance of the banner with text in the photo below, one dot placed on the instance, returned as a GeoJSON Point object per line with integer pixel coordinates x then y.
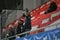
{"type": "Point", "coordinates": [49, 35]}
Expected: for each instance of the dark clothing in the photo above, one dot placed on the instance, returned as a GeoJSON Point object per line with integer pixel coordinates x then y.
{"type": "Point", "coordinates": [20, 29]}
{"type": "Point", "coordinates": [28, 23]}
{"type": "Point", "coordinates": [11, 33]}
{"type": "Point", "coordinates": [52, 7]}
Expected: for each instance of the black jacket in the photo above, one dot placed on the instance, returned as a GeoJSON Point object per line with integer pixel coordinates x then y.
{"type": "Point", "coordinates": [20, 28]}
{"type": "Point", "coordinates": [28, 22]}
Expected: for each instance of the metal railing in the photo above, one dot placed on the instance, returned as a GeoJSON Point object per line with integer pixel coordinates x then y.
{"type": "Point", "coordinates": [31, 31]}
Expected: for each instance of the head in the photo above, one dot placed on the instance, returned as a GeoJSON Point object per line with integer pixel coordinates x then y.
{"type": "Point", "coordinates": [26, 9]}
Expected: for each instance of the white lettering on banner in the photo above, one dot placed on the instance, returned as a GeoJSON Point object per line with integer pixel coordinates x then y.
{"type": "Point", "coordinates": [32, 18]}
{"type": "Point", "coordinates": [28, 39]}
{"type": "Point", "coordinates": [25, 39]}
{"type": "Point", "coordinates": [49, 2]}
{"type": "Point", "coordinates": [42, 6]}
{"type": "Point", "coordinates": [34, 28]}
{"type": "Point", "coordinates": [42, 12]}
{"type": "Point", "coordinates": [45, 20]}
{"type": "Point", "coordinates": [45, 38]}
{"type": "Point", "coordinates": [50, 28]}
{"type": "Point", "coordinates": [40, 36]}
{"type": "Point", "coordinates": [55, 37]}
{"type": "Point", "coordinates": [56, 14]}
{"type": "Point", "coordinates": [37, 9]}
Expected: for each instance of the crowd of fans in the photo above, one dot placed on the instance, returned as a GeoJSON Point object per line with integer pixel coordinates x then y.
{"type": "Point", "coordinates": [24, 25]}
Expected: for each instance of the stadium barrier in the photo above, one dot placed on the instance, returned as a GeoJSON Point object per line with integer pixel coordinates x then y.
{"type": "Point", "coordinates": [49, 35]}
{"type": "Point", "coordinates": [32, 31]}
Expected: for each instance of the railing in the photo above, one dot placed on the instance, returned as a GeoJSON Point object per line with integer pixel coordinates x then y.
{"type": "Point", "coordinates": [31, 31]}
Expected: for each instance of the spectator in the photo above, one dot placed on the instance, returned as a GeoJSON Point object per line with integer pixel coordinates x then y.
{"type": "Point", "coordinates": [11, 32]}
{"type": "Point", "coordinates": [20, 28]}
{"type": "Point", "coordinates": [27, 21]}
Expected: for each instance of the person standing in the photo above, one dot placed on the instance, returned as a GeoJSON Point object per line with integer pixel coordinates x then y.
{"type": "Point", "coordinates": [20, 28]}
{"type": "Point", "coordinates": [27, 21]}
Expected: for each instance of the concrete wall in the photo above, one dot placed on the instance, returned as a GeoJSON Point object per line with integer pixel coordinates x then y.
{"type": "Point", "coordinates": [43, 1]}
{"type": "Point", "coordinates": [30, 4]}
{"type": "Point", "coordinates": [11, 17]}
{"type": "Point", "coordinates": [38, 3]}
{"type": "Point", "coordinates": [19, 13]}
